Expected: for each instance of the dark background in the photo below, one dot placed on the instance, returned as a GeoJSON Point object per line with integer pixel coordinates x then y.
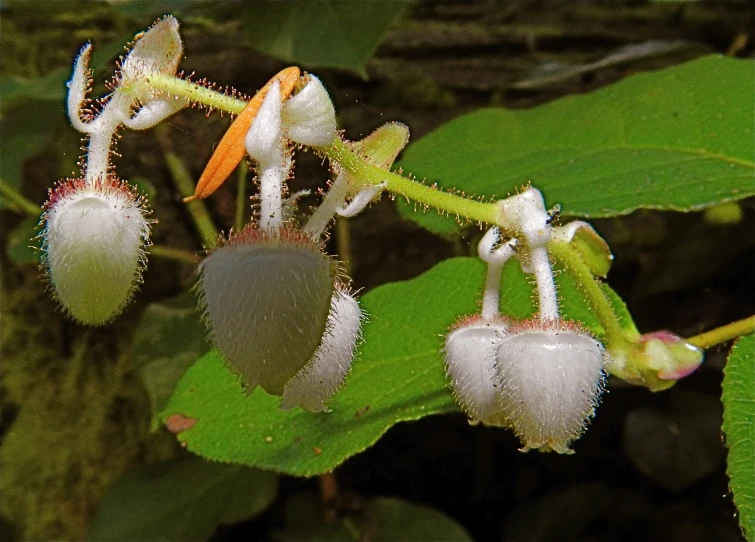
{"type": "Point", "coordinates": [651, 467]}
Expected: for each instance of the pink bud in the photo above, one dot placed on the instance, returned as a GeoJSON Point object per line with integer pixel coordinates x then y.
{"type": "Point", "coordinates": [657, 360]}
{"type": "Point", "coordinates": [550, 377]}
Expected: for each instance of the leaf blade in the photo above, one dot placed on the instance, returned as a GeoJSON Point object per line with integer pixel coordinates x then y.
{"type": "Point", "coordinates": [678, 139]}
{"type": "Point", "coordinates": [182, 500]}
{"type": "Point", "coordinates": [739, 427]}
{"type": "Point", "coordinates": [327, 33]}
{"type": "Point", "coordinates": [398, 376]}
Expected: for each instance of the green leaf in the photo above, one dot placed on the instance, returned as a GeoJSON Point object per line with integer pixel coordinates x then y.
{"type": "Point", "coordinates": [26, 131]}
{"type": "Point", "coordinates": [24, 242]}
{"type": "Point", "coordinates": [739, 427]}
{"type": "Point", "coordinates": [182, 500]}
{"type": "Point", "coordinates": [382, 520]}
{"type": "Point", "coordinates": [398, 376]}
{"type": "Point", "coordinates": [401, 520]}
{"type": "Point", "coordinates": [677, 139]}
{"type": "Point", "coordinates": [169, 338]}
{"type": "Point", "coordinates": [328, 33]}
{"type": "Point", "coordinates": [49, 88]}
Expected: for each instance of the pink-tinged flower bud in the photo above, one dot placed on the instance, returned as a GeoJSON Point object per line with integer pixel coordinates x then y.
{"type": "Point", "coordinates": [267, 297]}
{"type": "Point", "coordinates": [470, 351]}
{"type": "Point", "coordinates": [94, 235]}
{"type": "Point", "coordinates": [658, 360]}
{"type": "Point", "coordinates": [550, 378]}
{"type": "Point", "coordinates": [325, 373]}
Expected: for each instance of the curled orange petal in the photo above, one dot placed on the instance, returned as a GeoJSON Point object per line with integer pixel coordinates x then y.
{"type": "Point", "coordinates": [230, 150]}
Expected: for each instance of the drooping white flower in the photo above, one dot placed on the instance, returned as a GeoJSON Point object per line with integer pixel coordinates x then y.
{"type": "Point", "coordinates": [470, 346]}
{"type": "Point", "coordinates": [96, 227]}
{"type": "Point", "coordinates": [93, 243]}
{"type": "Point", "coordinates": [470, 350]}
{"type": "Point", "coordinates": [266, 300]}
{"type": "Point", "coordinates": [550, 377]}
{"type": "Point", "coordinates": [311, 387]}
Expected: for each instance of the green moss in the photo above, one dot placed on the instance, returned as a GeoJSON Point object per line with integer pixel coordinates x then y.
{"type": "Point", "coordinates": [81, 417]}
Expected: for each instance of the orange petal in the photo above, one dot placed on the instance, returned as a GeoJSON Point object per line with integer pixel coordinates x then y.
{"type": "Point", "coordinates": [231, 150]}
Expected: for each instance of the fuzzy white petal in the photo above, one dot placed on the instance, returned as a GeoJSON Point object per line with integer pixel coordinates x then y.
{"type": "Point", "coordinates": [361, 200]}
{"type": "Point", "coordinates": [309, 117]}
{"type": "Point", "coordinates": [263, 140]}
{"type": "Point", "coordinates": [470, 353]}
{"type": "Point", "coordinates": [153, 112]}
{"type": "Point", "coordinates": [550, 382]}
{"type": "Point", "coordinates": [158, 50]}
{"type": "Point", "coordinates": [322, 377]}
{"type": "Point", "coordinates": [78, 87]}
{"type": "Point", "coordinates": [93, 247]}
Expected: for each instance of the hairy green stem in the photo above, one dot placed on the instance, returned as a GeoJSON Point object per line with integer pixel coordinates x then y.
{"type": "Point", "coordinates": [340, 152]}
{"type": "Point", "coordinates": [429, 196]}
{"type": "Point", "coordinates": [18, 201]}
{"type": "Point", "coordinates": [568, 257]}
{"type": "Point", "coordinates": [241, 199]}
{"type": "Point", "coordinates": [724, 333]}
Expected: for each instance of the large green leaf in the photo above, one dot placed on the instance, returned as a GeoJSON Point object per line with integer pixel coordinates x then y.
{"type": "Point", "coordinates": [381, 520]}
{"type": "Point", "coordinates": [332, 33]}
{"type": "Point", "coordinates": [398, 376]}
{"type": "Point", "coordinates": [169, 338]}
{"type": "Point", "coordinates": [677, 139]}
{"type": "Point", "coordinates": [183, 500]}
{"type": "Point", "coordinates": [739, 427]}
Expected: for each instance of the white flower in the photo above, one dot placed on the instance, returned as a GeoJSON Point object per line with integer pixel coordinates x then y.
{"type": "Point", "coordinates": [470, 351]}
{"type": "Point", "coordinates": [327, 369]}
{"type": "Point", "coordinates": [309, 117]}
{"type": "Point", "coordinates": [550, 378]}
{"type": "Point", "coordinates": [93, 247]}
{"type": "Point", "coordinates": [279, 315]}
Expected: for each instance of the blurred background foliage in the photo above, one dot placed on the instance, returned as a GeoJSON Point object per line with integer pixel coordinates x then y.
{"type": "Point", "coordinates": [79, 453]}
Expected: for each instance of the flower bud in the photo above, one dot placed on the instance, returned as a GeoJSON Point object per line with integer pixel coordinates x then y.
{"type": "Point", "coordinates": [550, 378]}
{"type": "Point", "coordinates": [657, 360]}
{"type": "Point", "coordinates": [470, 354]}
{"type": "Point", "coordinates": [324, 374]}
{"type": "Point", "coordinates": [94, 236]}
{"type": "Point", "coordinates": [266, 299]}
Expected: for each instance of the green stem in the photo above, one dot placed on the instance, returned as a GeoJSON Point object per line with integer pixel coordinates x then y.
{"type": "Point", "coordinates": [724, 333]}
{"type": "Point", "coordinates": [194, 92]}
{"type": "Point", "coordinates": [241, 199]}
{"type": "Point", "coordinates": [197, 209]}
{"type": "Point", "coordinates": [176, 254]}
{"type": "Point", "coordinates": [569, 258]}
{"type": "Point", "coordinates": [340, 152]}
{"type": "Point", "coordinates": [18, 201]}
